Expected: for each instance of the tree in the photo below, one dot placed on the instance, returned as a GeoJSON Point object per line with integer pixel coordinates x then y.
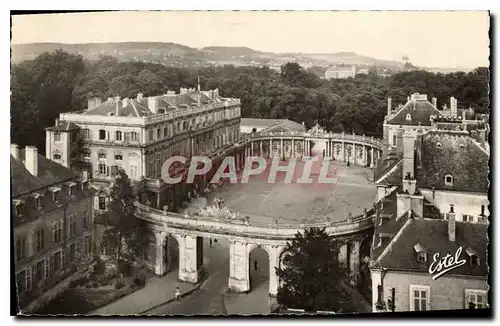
{"type": "Point", "coordinates": [126, 236]}
{"type": "Point", "coordinates": [310, 274]}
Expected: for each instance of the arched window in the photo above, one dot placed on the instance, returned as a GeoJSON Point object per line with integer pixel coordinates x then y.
{"type": "Point", "coordinates": [101, 155]}
{"type": "Point", "coordinates": [448, 180]}
{"type": "Point", "coordinates": [438, 145]}
{"type": "Point", "coordinates": [408, 117]}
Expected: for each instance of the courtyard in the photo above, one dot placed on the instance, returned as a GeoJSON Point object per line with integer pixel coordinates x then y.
{"type": "Point", "coordinates": [351, 191]}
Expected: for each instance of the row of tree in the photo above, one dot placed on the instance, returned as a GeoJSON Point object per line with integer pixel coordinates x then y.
{"type": "Point", "coordinates": [59, 82]}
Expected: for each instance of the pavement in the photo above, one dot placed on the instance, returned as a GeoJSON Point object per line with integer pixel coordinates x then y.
{"type": "Point", "coordinates": [157, 291]}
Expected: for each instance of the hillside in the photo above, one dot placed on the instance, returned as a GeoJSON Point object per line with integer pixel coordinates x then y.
{"type": "Point", "coordinates": [184, 56]}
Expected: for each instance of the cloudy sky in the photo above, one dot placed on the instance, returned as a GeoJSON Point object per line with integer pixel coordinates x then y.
{"type": "Point", "coordinates": [433, 39]}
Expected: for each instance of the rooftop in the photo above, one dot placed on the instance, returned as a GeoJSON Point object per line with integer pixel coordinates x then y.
{"type": "Point", "coordinates": [418, 109]}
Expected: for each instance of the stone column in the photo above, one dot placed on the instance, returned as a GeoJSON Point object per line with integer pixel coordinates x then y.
{"type": "Point", "coordinates": [343, 255]}
{"type": "Point", "coordinates": [342, 151]}
{"type": "Point", "coordinates": [282, 152]}
{"type": "Point", "coordinates": [251, 148]}
{"type": "Point", "coordinates": [239, 269]}
{"type": "Point", "coordinates": [354, 260]}
{"type": "Point", "coordinates": [260, 153]}
{"type": "Point", "coordinates": [189, 260]}
{"type": "Point", "coordinates": [365, 161]}
{"type": "Point", "coordinates": [274, 255]}
{"type": "Point", "coordinates": [372, 159]}
{"type": "Point", "coordinates": [160, 268]}
{"type": "Point", "coordinates": [292, 152]}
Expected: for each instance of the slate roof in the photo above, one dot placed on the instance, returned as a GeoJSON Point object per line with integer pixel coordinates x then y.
{"type": "Point", "coordinates": [454, 153]}
{"type": "Point", "coordinates": [132, 108]}
{"type": "Point", "coordinates": [49, 173]}
{"type": "Point", "coordinates": [432, 234]}
{"type": "Point", "coordinates": [389, 170]}
{"type": "Point", "coordinates": [420, 111]}
{"type": "Point", "coordinates": [273, 124]}
{"type": "Point", "coordinates": [63, 126]}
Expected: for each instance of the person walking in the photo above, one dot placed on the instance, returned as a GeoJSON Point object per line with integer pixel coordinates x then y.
{"type": "Point", "coordinates": [255, 265]}
{"type": "Point", "coordinates": [177, 293]}
{"type": "Point", "coordinates": [210, 242]}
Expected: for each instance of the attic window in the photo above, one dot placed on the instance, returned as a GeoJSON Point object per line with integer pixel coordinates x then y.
{"type": "Point", "coordinates": [37, 200]}
{"type": "Point", "coordinates": [18, 207]}
{"type": "Point", "coordinates": [55, 193]}
{"type": "Point", "coordinates": [70, 188]}
{"type": "Point", "coordinates": [473, 256]}
{"type": "Point", "coordinates": [408, 117]}
{"type": "Point", "coordinates": [56, 157]}
{"type": "Point", "coordinates": [448, 180]}
{"type": "Point", "coordinates": [161, 111]}
{"type": "Point", "coordinates": [421, 253]}
{"type": "Point", "coordinates": [438, 145]}
{"type": "Point", "coordinates": [461, 146]}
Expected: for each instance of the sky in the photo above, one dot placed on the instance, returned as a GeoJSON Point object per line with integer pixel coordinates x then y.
{"type": "Point", "coordinates": [432, 38]}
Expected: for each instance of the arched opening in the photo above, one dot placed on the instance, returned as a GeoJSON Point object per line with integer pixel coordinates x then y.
{"type": "Point", "coordinates": [259, 270]}
{"type": "Point", "coordinates": [171, 253]}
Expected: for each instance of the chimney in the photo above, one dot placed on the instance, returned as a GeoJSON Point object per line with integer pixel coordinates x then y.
{"type": "Point", "coordinates": [93, 102]}
{"type": "Point", "coordinates": [399, 140]}
{"type": "Point", "coordinates": [31, 159]}
{"type": "Point", "coordinates": [451, 223]}
{"type": "Point", "coordinates": [434, 102]}
{"type": "Point", "coordinates": [57, 122]}
{"type": "Point", "coordinates": [389, 106]}
{"type": "Point", "coordinates": [152, 104]}
{"type": "Point", "coordinates": [408, 156]}
{"type": "Point", "coordinates": [14, 151]}
{"type": "Point", "coordinates": [125, 102]}
{"type": "Point", "coordinates": [453, 107]}
{"type": "Point", "coordinates": [139, 96]}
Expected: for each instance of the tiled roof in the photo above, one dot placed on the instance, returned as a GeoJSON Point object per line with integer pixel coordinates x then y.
{"type": "Point", "coordinates": [49, 173]}
{"type": "Point", "coordinates": [420, 112]}
{"type": "Point", "coordinates": [389, 171]}
{"type": "Point", "coordinates": [452, 153]}
{"type": "Point", "coordinates": [432, 234]}
{"type": "Point", "coordinates": [63, 126]}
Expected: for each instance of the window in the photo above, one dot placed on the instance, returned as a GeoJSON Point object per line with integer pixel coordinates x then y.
{"type": "Point", "coordinates": [86, 154]}
{"type": "Point", "coordinates": [57, 260]}
{"type": "Point", "coordinates": [158, 133]}
{"type": "Point", "coordinates": [475, 299]}
{"type": "Point", "coordinates": [86, 133]}
{"type": "Point", "coordinates": [118, 136]}
{"type": "Point", "coordinates": [87, 246]}
{"type": "Point", "coordinates": [57, 231]}
{"type": "Point", "coordinates": [133, 171]}
{"type": "Point", "coordinates": [118, 157]}
{"type": "Point", "coordinates": [19, 208]}
{"type": "Point", "coordinates": [56, 157]}
{"type": "Point", "coordinates": [151, 135]}
{"type": "Point", "coordinates": [21, 281]}
{"type": "Point", "coordinates": [102, 203]}
{"type": "Point", "coordinates": [71, 190]}
{"type": "Point", "coordinates": [38, 201]}
{"type": "Point", "coordinates": [165, 132]}
{"type": "Point", "coordinates": [134, 136]}
{"type": "Point", "coordinates": [103, 169]}
{"type": "Point", "coordinates": [39, 271]}
{"type": "Point", "coordinates": [72, 252]}
{"type": "Point", "coordinates": [422, 257]}
{"type": "Point", "coordinates": [467, 218]}
{"type": "Point", "coordinates": [102, 134]}
{"type": "Point", "coordinates": [85, 220]}
{"type": "Point", "coordinates": [438, 145]}
{"type": "Point", "coordinates": [419, 297]}
{"type": "Point", "coordinates": [57, 136]}
{"type": "Point", "coordinates": [101, 156]}
{"type": "Point", "coordinates": [39, 240]}
{"type": "Point", "coordinates": [408, 117]}
{"type": "Point", "coordinates": [448, 180]}
{"type": "Point", "coordinates": [55, 196]}
{"type": "Point", "coordinates": [72, 225]}
{"type": "Point", "coordinates": [20, 248]}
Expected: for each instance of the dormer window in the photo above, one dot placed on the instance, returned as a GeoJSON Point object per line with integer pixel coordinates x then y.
{"type": "Point", "coordinates": [55, 193]}
{"type": "Point", "coordinates": [421, 253]}
{"type": "Point", "coordinates": [57, 136]}
{"type": "Point", "coordinates": [448, 180]}
{"type": "Point", "coordinates": [71, 188]}
{"type": "Point", "coordinates": [438, 145]}
{"type": "Point", "coordinates": [56, 157]}
{"type": "Point", "coordinates": [473, 256]}
{"type": "Point", "coordinates": [462, 146]}
{"type": "Point", "coordinates": [408, 117]}
{"type": "Point", "coordinates": [37, 198]}
{"type": "Point", "coordinates": [18, 207]}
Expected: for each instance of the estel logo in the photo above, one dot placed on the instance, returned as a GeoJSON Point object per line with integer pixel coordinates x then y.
{"type": "Point", "coordinates": [441, 266]}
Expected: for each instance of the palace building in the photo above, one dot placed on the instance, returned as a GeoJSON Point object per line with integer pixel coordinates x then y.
{"type": "Point", "coordinates": [139, 134]}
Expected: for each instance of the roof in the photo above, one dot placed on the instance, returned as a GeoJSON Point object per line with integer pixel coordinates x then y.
{"type": "Point", "coordinates": [420, 110]}
{"type": "Point", "coordinates": [273, 124]}
{"type": "Point", "coordinates": [442, 153]}
{"type": "Point", "coordinates": [63, 126]}
{"type": "Point", "coordinates": [389, 171]}
{"type": "Point", "coordinates": [120, 108]}
{"type": "Point", "coordinates": [49, 173]}
{"type": "Point", "coordinates": [432, 234]}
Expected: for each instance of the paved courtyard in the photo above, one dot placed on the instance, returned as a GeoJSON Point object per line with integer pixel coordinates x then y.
{"type": "Point", "coordinates": [293, 202]}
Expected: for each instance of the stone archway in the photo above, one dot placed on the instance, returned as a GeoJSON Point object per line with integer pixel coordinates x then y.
{"type": "Point", "coordinates": [259, 267]}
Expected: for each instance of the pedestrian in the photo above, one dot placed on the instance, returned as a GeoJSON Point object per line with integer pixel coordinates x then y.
{"type": "Point", "coordinates": [210, 242]}
{"type": "Point", "coordinates": [255, 265]}
{"type": "Point", "coordinates": [177, 293]}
